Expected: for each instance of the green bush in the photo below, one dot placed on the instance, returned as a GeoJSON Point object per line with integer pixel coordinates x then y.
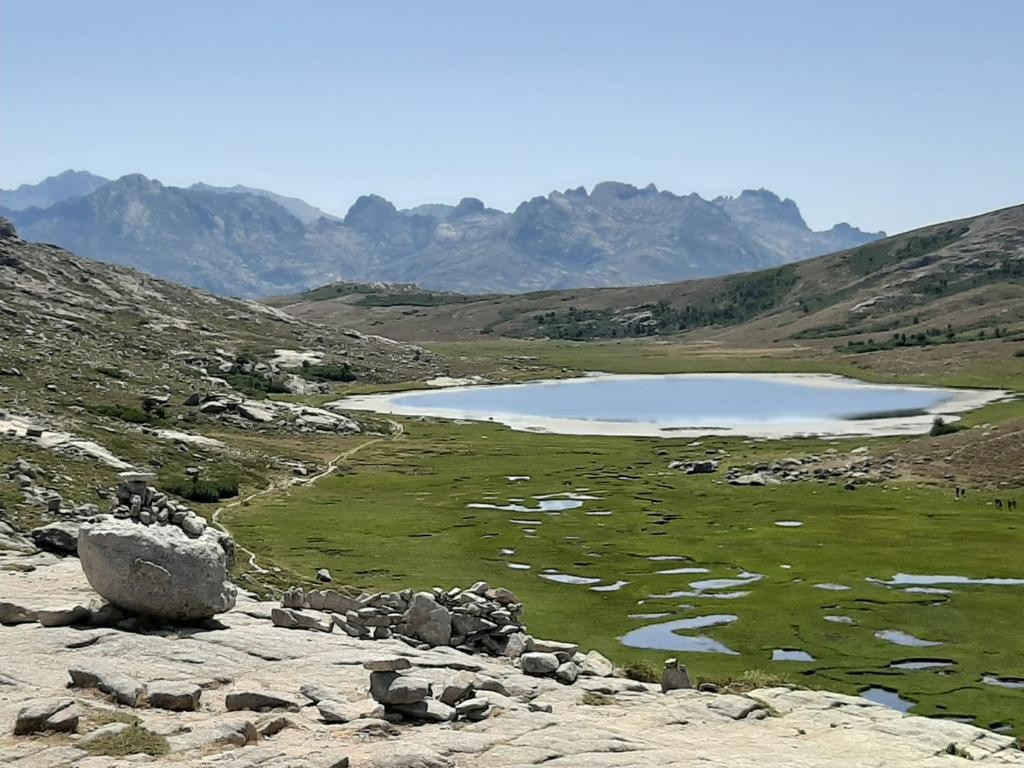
{"type": "Point", "coordinates": [199, 490]}
{"type": "Point", "coordinates": [641, 671]}
{"type": "Point", "coordinates": [256, 384]}
{"type": "Point", "coordinates": [328, 372]}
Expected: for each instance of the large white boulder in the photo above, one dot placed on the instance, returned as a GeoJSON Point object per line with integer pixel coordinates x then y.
{"type": "Point", "coordinates": [157, 571]}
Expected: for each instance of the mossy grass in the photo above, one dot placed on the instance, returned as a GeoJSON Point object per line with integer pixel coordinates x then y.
{"type": "Point", "coordinates": [399, 515]}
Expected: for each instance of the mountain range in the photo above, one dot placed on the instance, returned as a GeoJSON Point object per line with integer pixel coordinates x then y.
{"type": "Point", "coordinates": [254, 243]}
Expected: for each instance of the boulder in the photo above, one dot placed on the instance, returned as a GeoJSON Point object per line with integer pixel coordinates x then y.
{"type": "Point", "coordinates": [157, 571]}
{"type": "Point", "coordinates": [428, 620]}
{"type": "Point", "coordinates": [429, 710]}
{"type": "Point", "coordinates": [323, 575]}
{"type": "Point", "coordinates": [47, 715]}
{"type": "Point", "coordinates": [391, 688]}
{"type": "Point", "coordinates": [539, 664]}
{"type": "Point", "coordinates": [334, 711]}
{"type": "Point", "coordinates": [596, 665]}
{"type": "Point", "coordinates": [567, 673]}
{"type": "Point", "coordinates": [59, 538]}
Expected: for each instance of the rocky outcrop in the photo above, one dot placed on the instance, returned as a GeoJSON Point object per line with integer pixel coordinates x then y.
{"type": "Point", "coordinates": [157, 571]}
{"type": "Point", "coordinates": [502, 718]}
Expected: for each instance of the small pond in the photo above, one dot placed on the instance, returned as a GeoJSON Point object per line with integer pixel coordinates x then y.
{"type": "Point", "coordinates": [678, 405]}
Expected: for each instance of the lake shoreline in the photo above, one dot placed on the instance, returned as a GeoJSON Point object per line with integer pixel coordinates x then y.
{"type": "Point", "coordinates": [951, 409]}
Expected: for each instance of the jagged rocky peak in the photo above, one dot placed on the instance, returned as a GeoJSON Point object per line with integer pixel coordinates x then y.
{"type": "Point", "coordinates": [467, 206]}
{"type": "Point", "coordinates": [763, 204]}
{"type": "Point", "coordinates": [370, 213]}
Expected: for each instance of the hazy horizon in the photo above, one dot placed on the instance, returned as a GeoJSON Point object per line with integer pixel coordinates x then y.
{"type": "Point", "coordinates": [885, 117]}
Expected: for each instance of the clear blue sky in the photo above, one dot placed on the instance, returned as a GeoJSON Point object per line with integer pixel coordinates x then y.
{"type": "Point", "coordinates": [888, 114]}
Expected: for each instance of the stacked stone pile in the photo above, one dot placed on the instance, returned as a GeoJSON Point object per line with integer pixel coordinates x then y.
{"type": "Point", "coordinates": [478, 619]}
{"type": "Point", "coordinates": [415, 698]}
{"type": "Point", "coordinates": [700, 467]}
{"type": "Point", "coordinates": [140, 502]}
{"type": "Point", "coordinates": [814, 469]}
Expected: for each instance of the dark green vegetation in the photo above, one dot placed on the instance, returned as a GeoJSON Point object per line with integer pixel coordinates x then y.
{"type": "Point", "coordinates": [201, 490]}
{"type": "Point", "coordinates": [401, 515]}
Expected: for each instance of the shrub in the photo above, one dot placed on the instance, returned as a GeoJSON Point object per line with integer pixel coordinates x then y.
{"type": "Point", "coordinates": [133, 740]}
{"type": "Point", "coordinates": [1019, 353]}
{"type": "Point", "coordinates": [328, 372]}
{"type": "Point", "coordinates": [256, 384]}
{"type": "Point", "coordinates": [941, 427]}
{"type": "Point", "coordinates": [202, 491]}
{"type": "Point", "coordinates": [641, 671]}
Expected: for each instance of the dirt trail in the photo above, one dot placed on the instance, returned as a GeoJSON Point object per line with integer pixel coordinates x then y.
{"type": "Point", "coordinates": [397, 430]}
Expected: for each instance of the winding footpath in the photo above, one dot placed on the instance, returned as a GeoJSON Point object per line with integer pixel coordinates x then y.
{"type": "Point", "coordinates": [397, 430]}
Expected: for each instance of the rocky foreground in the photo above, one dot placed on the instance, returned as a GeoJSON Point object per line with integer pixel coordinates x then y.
{"type": "Point", "coordinates": [240, 691]}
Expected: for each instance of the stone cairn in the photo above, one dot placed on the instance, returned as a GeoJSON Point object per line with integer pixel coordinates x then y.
{"type": "Point", "coordinates": [137, 500]}
{"type": "Point", "coordinates": [480, 619]}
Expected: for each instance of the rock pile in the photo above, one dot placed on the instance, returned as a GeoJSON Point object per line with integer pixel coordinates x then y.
{"type": "Point", "coordinates": [815, 468]}
{"type": "Point", "coordinates": [140, 502]}
{"type": "Point", "coordinates": [478, 619]}
{"type": "Point", "coordinates": [241, 412]}
{"type": "Point", "coordinates": [415, 698]}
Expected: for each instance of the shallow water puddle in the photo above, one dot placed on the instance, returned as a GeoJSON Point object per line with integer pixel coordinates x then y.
{"type": "Point", "coordinates": [1003, 682]}
{"type": "Point", "coordinates": [787, 654]}
{"type": "Point", "coordinates": [917, 580]}
{"type": "Point", "coordinates": [841, 619]}
{"type": "Point", "coordinates": [664, 636]}
{"type": "Point", "coordinates": [915, 665]}
{"type": "Point", "coordinates": [519, 566]}
{"type": "Point", "coordinates": [899, 637]}
{"type": "Point", "coordinates": [832, 587]}
{"type": "Point", "coordinates": [543, 505]}
{"type": "Point", "coordinates": [568, 578]}
{"type": "Point", "coordinates": [744, 579]}
{"type": "Point", "coordinates": [676, 571]}
{"type": "Point", "coordinates": [889, 698]}
{"type": "Point", "coordinates": [614, 587]}
{"type": "Point", "coordinates": [788, 523]}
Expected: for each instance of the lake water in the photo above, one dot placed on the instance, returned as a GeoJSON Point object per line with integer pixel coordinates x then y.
{"type": "Point", "coordinates": [765, 405]}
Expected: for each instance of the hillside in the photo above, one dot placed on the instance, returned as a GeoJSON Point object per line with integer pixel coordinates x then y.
{"type": "Point", "coordinates": [250, 242]}
{"type": "Point", "coordinates": [955, 281]}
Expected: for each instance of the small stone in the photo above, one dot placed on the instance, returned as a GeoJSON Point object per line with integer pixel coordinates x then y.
{"type": "Point", "coordinates": [334, 711]}
{"type": "Point", "coordinates": [675, 676]}
{"type": "Point", "coordinates": [457, 688]}
{"type": "Point", "coordinates": [260, 701]}
{"type": "Point", "coordinates": [392, 688]}
{"type": "Point", "coordinates": [567, 673]}
{"type": "Point", "coordinates": [272, 725]}
{"type": "Point", "coordinates": [388, 665]}
{"type": "Point", "coordinates": [174, 696]}
{"type": "Point", "coordinates": [123, 689]}
{"type": "Point", "coordinates": [429, 710]}
{"type": "Point", "coordinates": [539, 664]}
{"type": "Point", "coordinates": [324, 575]}
{"type": "Point", "coordinates": [596, 665]}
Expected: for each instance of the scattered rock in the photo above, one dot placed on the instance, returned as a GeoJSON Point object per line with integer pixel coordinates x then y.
{"type": "Point", "coordinates": [539, 664]}
{"type": "Point", "coordinates": [123, 689]}
{"type": "Point", "coordinates": [60, 538]}
{"type": "Point", "coordinates": [260, 701]}
{"type": "Point", "coordinates": [174, 696]}
{"type": "Point", "coordinates": [675, 676]}
{"type": "Point", "coordinates": [47, 715]}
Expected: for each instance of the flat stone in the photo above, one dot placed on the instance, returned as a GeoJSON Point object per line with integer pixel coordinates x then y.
{"type": "Point", "coordinates": [236, 733]}
{"type": "Point", "coordinates": [429, 710]}
{"type": "Point", "coordinates": [174, 696]}
{"type": "Point", "coordinates": [291, 618]}
{"type": "Point", "coordinates": [64, 616]}
{"type": "Point", "coordinates": [456, 688]}
{"type": "Point", "coordinates": [260, 701]}
{"type": "Point", "coordinates": [123, 689]}
{"type": "Point", "coordinates": [334, 711]}
{"type": "Point", "coordinates": [13, 613]}
{"type": "Point", "coordinates": [388, 665]}
{"type": "Point", "coordinates": [554, 646]}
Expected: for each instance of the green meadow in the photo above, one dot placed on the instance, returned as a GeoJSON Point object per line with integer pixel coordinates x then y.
{"type": "Point", "coordinates": [399, 514]}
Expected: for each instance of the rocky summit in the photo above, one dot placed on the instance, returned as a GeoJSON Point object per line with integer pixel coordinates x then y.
{"type": "Point", "coordinates": [109, 689]}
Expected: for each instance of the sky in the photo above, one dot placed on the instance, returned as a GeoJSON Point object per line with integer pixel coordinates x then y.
{"type": "Point", "coordinates": [888, 115]}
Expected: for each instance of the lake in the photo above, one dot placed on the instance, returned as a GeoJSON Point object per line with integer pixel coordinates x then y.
{"type": "Point", "coordinates": [683, 405]}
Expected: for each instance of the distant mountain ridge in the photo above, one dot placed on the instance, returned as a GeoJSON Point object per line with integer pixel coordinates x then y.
{"type": "Point", "coordinates": [51, 190]}
{"type": "Point", "coordinates": [251, 242]}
